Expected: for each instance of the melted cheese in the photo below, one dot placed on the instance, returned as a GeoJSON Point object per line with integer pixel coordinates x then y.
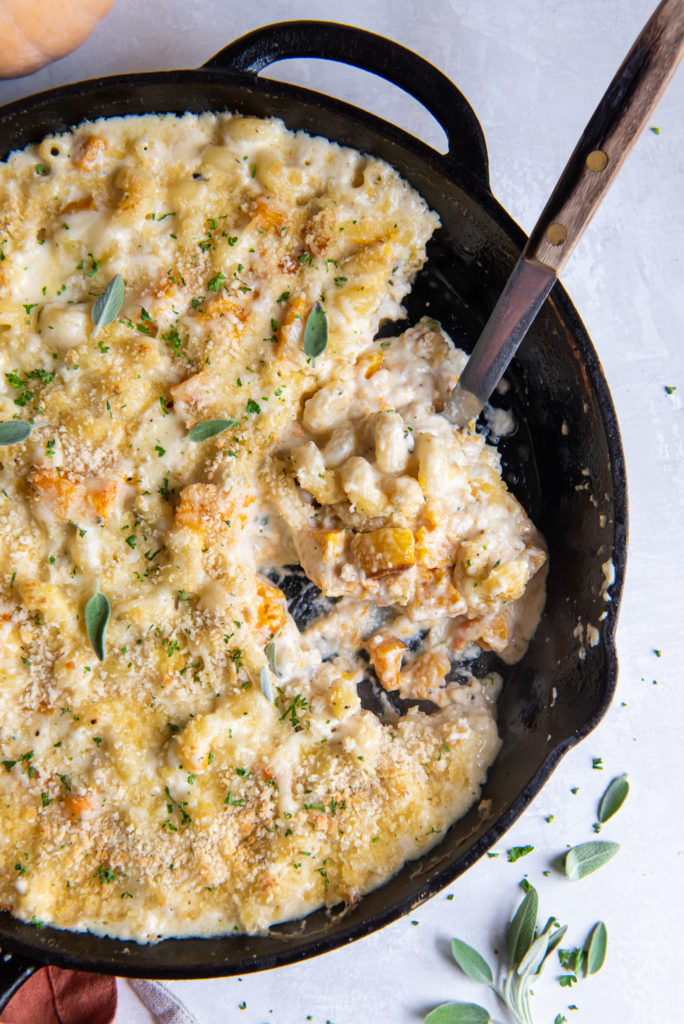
{"type": "Point", "coordinates": [159, 792]}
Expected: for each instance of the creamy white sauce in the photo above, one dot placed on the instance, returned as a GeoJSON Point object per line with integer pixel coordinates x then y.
{"type": "Point", "coordinates": [159, 791]}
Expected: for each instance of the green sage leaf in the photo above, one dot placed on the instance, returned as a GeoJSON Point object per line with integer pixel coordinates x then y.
{"type": "Point", "coordinates": [535, 955]}
{"type": "Point", "coordinates": [582, 860]}
{"type": "Point", "coordinates": [458, 1013]}
{"type": "Point", "coordinates": [209, 428]}
{"type": "Point", "coordinates": [520, 932]}
{"type": "Point", "coordinates": [14, 431]}
{"type": "Point", "coordinates": [471, 963]}
{"type": "Point", "coordinates": [549, 924]}
{"type": "Point", "coordinates": [595, 948]}
{"type": "Point", "coordinates": [613, 798]}
{"type": "Point", "coordinates": [316, 331]}
{"type": "Point", "coordinates": [97, 612]}
{"type": "Point", "coordinates": [270, 652]}
{"type": "Point", "coordinates": [107, 306]}
{"type": "Point", "coordinates": [265, 681]}
{"type": "Point", "coordinates": [555, 939]}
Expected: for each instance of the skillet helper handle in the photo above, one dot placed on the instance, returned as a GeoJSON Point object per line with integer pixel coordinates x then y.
{"type": "Point", "coordinates": [14, 971]}
{"type": "Point", "coordinates": [610, 135]}
{"type": "Point", "coordinates": [355, 46]}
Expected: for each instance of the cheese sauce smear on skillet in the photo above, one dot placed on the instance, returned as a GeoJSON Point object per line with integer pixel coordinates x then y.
{"type": "Point", "coordinates": [215, 770]}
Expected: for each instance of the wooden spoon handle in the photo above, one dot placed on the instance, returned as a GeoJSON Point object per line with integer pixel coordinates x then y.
{"type": "Point", "coordinates": [612, 131]}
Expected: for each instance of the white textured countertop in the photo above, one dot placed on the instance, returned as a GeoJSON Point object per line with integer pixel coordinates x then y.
{"type": "Point", "coordinates": [533, 71]}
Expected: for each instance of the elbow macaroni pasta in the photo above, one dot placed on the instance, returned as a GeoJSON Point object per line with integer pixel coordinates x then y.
{"type": "Point", "coordinates": [161, 791]}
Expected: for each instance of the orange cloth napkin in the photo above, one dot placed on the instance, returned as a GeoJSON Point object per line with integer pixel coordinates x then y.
{"type": "Point", "coordinates": [54, 996]}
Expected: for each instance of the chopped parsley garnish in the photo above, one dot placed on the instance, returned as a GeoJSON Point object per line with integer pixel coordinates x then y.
{"type": "Point", "coordinates": [103, 875]}
{"type": "Point", "coordinates": [216, 283]}
{"type": "Point", "coordinates": [174, 337]}
{"type": "Point", "coordinates": [291, 713]}
{"type": "Point", "coordinates": [180, 806]}
{"type": "Point", "coordinates": [517, 852]}
{"type": "Point", "coordinates": [233, 801]}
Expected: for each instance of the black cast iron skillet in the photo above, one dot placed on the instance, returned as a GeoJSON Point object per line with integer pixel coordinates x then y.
{"type": "Point", "coordinates": [570, 478]}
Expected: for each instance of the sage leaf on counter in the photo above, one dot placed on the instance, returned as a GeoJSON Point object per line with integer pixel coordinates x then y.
{"type": "Point", "coordinates": [471, 963]}
{"type": "Point", "coordinates": [97, 612]}
{"type": "Point", "coordinates": [316, 331]}
{"type": "Point", "coordinates": [528, 950]}
{"type": "Point", "coordinates": [458, 1013]}
{"type": "Point", "coordinates": [586, 858]}
{"type": "Point", "coordinates": [14, 431]}
{"type": "Point", "coordinates": [595, 949]}
{"type": "Point", "coordinates": [535, 956]}
{"type": "Point", "coordinates": [265, 680]}
{"type": "Point", "coordinates": [520, 934]}
{"type": "Point", "coordinates": [209, 428]}
{"type": "Point", "coordinates": [555, 939]}
{"type": "Point", "coordinates": [613, 798]}
{"type": "Point", "coordinates": [107, 306]}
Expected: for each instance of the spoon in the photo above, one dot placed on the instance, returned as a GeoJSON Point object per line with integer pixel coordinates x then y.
{"type": "Point", "coordinates": [607, 139]}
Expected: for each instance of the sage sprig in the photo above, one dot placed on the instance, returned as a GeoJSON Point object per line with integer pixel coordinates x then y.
{"type": "Point", "coordinates": [209, 428]}
{"type": "Point", "coordinates": [107, 306]}
{"type": "Point", "coordinates": [316, 332]}
{"type": "Point", "coordinates": [97, 612]}
{"type": "Point", "coordinates": [14, 431]}
{"type": "Point", "coordinates": [586, 858]}
{"type": "Point", "coordinates": [528, 949]}
{"type": "Point", "coordinates": [613, 798]}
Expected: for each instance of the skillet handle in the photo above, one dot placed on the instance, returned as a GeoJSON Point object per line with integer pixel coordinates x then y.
{"type": "Point", "coordinates": [370, 52]}
{"type": "Point", "coordinates": [14, 971]}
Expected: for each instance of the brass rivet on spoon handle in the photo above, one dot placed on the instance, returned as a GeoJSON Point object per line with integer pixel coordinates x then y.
{"type": "Point", "coordinates": [596, 161]}
{"type": "Point", "coordinates": [556, 233]}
